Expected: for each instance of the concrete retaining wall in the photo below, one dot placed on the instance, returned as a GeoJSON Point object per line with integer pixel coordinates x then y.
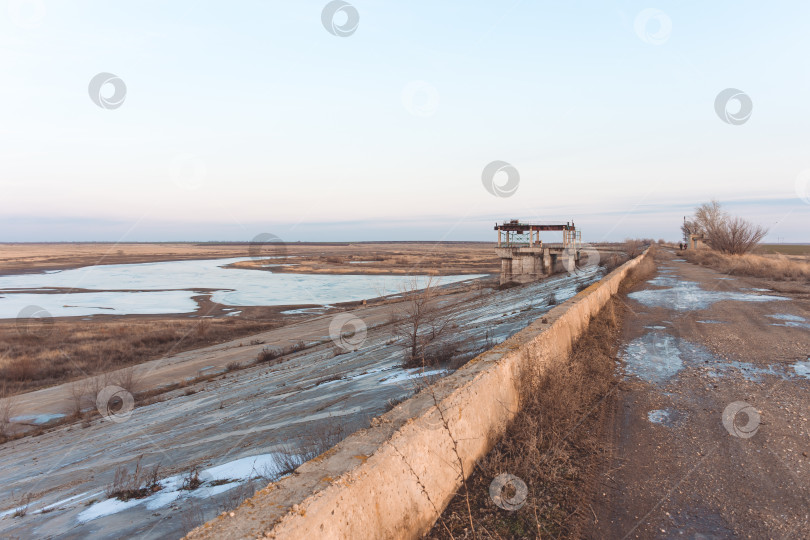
{"type": "Point", "coordinates": [394, 479]}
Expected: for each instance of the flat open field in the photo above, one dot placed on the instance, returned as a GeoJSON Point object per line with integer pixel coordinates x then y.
{"type": "Point", "coordinates": [784, 249]}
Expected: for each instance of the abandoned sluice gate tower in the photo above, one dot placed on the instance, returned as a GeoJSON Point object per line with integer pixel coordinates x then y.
{"type": "Point", "coordinates": [525, 258]}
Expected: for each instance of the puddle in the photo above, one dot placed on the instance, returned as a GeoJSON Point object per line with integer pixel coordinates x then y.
{"type": "Point", "coordinates": [709, 321]}
{"type": "Point", "coordinates": [655, 327]}
{"type": "Point", "coordinates": [654, 357]}
{"type": "Point", "coordinates": [747, 371]}
{"type": "Point", "coordinates": [790, 321]}
{"type": "Point", "coordinates": [665, 417]}
{"type": "Point", "coordinates": [664, 281]}
{"type": "Point", "coordinates": [689, 296]}
{"type": "Point", "coordinates": [657, 356]}
{"type": "Point", "coordinates": [802, 368]}
{"type": "Point", "coordinates": [787, 317]}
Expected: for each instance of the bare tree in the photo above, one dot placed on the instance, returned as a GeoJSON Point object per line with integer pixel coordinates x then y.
{"type": "Point", "coordinates": [419, 321]}
{"type": "Point", "coordinates": [722, 232]}
{"type": "Point", "coordinates": [688, 228]}
{"type": "Point", "coordinates": [709, 216]}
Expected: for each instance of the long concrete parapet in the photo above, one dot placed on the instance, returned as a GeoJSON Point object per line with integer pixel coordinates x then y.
{"type": "Point", "coordinates": [393, 479]}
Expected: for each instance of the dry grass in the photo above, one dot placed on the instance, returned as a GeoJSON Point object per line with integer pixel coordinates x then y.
{"type": "Point", "coordinates": [777, 267]}
{"type": "Point", "coordinates": [554, 444]}
{"type": "Point", "coordinates": [79, 349]}
{"type": "Point", "coordinates": [136, 485]}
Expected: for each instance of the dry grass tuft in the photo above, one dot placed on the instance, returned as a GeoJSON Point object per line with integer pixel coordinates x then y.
{"type": "Point", "coordinates": [777, 267]}
{"type": "Point", "coordinates": [137, 485]}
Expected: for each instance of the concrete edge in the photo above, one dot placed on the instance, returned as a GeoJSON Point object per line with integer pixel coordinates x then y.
{"type": "Point", "coordinates": [393, 479]}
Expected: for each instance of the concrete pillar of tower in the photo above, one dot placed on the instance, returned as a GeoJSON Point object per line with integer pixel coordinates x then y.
{"type": "Point", "coordinates": [506, 270]}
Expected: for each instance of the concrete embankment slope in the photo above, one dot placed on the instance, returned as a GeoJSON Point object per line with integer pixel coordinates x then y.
{"type": "Point", "coordinates": [393, 479]}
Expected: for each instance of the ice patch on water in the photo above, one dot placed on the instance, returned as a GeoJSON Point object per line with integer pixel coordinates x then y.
{"type": "Point", "coordinates": [306, 311]}
{"type": "Point", "coordinates": [689, 296]}
{"type": "Point", "coordinates": [36, 419]}
{"type": "Point", "coordinates": [168, 287]}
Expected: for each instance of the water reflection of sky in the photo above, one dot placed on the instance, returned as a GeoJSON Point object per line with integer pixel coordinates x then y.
{"type": "Point", "coordinates": [168, 287]}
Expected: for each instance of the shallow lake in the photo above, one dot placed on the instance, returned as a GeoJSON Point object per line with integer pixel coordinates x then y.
{"type": "Point", "coordinates": [168, 287]}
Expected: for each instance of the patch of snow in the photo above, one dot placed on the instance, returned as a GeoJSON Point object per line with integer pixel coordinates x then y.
{"type": "Point", "coordinates": [238, 470]}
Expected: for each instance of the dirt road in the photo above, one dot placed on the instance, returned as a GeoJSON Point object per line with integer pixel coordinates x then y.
{"type": "Point", "coordinates": [710, 435]}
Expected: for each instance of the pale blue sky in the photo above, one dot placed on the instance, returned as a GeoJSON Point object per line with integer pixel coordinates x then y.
{"type": "Point", "coordinates": [306, 135]}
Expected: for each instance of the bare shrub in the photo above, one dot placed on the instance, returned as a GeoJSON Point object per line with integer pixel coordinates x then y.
{"type": "Point", "coordinates": [612, 261]}
{"type": "Point", "coordinates": [437, 353]}
{"type": "Point", "coordinates": [728, 234]}
{"type": "Point", "coordinates": [634, 247]}
{"type": "Point", "coordinates": [420, 320]}
{"type": "Point", "coordinates": [78, 395]}
{"type": "Point", "coordinates": [268, 355]}
{"type": "Point", "coordinates": [141, 483]}
{"type": "Point", "coordinates": [7, 406]}
{"type": "Point", "coordinates": [191, 480]}
{"type": "Point", "coordinates": [21, 507]}
{"type": "Point", "coordinates": [735, 236]}
{"type": "Point", "coordinates": [292, 455]}
{"type": "Point", "coordinates": [127, 379]}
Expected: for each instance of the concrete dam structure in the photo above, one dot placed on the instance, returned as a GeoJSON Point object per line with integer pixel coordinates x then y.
{"type": "Point", "coordinates": [526, 258]}
{"type": "Point", "coordinates": [393, 479]}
